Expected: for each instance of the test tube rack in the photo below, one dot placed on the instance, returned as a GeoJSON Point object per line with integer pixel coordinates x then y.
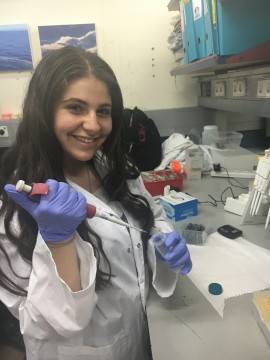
{"type": "Point", "coordinates": [247, 218]}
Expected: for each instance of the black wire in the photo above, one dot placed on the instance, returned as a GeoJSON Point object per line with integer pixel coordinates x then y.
{"type": "Point", "coordinates": [209, 202]}
{"type": "Point", "coordinates": [224, 192]}
{"type": "Point", "coordinates": [230, 177]}
{"type": "Point", "coordinates": [215, 202]}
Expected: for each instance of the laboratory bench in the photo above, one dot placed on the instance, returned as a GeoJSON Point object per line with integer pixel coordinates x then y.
{"type": "Point", "coordinates": [186, 326]}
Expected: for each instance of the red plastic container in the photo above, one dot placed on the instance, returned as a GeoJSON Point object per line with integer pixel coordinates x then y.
{"type": "Point", "coordinates": [155, 181]}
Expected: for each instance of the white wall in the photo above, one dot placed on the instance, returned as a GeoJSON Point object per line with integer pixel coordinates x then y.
{"type": "Point", "coordinates": [131, 37]}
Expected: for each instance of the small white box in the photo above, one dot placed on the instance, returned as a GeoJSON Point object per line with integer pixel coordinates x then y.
{"type": "Point", "coordinates": [192, 174]}
{"type": "Point", "coordinates": [194, 158]}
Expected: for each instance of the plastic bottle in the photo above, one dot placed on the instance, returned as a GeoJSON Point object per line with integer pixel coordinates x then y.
{"type": "Point", "coordinates": [210, 132]}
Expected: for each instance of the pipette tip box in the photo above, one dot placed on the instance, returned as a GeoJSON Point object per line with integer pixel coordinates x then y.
{"type": "Point", "coordinates": [179, 206]}
{"type": "Point", "coordinates": [195, 229]}
{"type": "Point", "coordinates": [155, 181]}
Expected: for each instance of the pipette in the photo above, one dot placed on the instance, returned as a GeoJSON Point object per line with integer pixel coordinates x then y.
{"type": "Point", "coordinates": [35, 190]}
{"type": "Point", "coordinates": [267, 219]}
{"type": "Point", "coordinates": [261, 184]}
{"type": "Point", "coordinates": [265, 180]}
{"type": "Point", "coordinates": [255, 192]}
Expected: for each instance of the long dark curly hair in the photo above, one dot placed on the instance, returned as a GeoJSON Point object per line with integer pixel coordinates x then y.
{"type": "Point", "coordinates": [36, 154]}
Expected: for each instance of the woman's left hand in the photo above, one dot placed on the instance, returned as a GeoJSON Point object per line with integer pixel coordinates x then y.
{"type": "Point", "coordinates": [178, 255]}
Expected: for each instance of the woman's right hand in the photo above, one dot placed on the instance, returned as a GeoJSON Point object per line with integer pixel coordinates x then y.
{"type": "Point", "coordinates": [58, 214]}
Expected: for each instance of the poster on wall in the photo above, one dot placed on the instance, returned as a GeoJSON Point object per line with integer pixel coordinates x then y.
{"type": "Point", "coordinates": [15, 51]}
{"type": "Point", "coordinates": [56, 36]}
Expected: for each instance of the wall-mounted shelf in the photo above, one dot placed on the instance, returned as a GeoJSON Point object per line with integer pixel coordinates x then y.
{"type": "Point", "coordinates": [256, 56]}
{"type": "Point", "coordinates": [251, 107]}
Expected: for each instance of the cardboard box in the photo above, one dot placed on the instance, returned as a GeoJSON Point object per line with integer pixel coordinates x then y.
{"type": "Point", "coordinates": [155, 181]}
{"type": "Point", "coordinates": [179, 206]}
{"type": "Point", "coordinates": [194, 158]}
{"type": "Point", "coordinates": [192, 174]}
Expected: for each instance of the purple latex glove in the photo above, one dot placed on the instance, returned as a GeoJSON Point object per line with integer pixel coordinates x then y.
{"type": "Point", "coordinates": [175, 253]}
{"type": "Point", "coordinates": [58, 214]}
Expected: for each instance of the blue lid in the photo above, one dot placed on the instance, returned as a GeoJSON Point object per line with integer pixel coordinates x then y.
{"type": "Point", "coordinates": [215, 289]}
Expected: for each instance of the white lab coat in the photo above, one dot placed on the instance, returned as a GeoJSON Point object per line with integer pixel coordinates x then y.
{"type": "Point", "coordinates": [108, 324]}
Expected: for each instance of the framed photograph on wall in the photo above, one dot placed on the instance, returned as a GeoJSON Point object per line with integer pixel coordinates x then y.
{"type": "Point", "coordinates": [56, 36]}
{"type": "Point", "coordinates": [15, 51]}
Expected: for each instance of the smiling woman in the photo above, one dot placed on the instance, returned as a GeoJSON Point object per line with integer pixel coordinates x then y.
{"type": "Point", "coordinates": [83, 120]}
{"type": "Point", "coordinates": [79, 286]}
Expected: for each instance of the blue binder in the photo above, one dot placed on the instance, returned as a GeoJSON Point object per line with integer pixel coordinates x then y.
{"type": "Point", "coordinates": [189, 38]}
{"type": "Point", "coordinates": [231, 26]}
{"type": "Point", "coordinates": [183, 26]}
{"type": "Point", "coordinates": [199, 27]}
{"type": "Point", "coordinates": [242, 24]}
{"type": "Point", "coordinates": [211, 31]}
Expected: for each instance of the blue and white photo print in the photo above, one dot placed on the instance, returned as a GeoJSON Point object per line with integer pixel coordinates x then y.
{"type": "Point", "coordinates": [15, 51]}
{"type": "Point", "coordinates": [56, 36]}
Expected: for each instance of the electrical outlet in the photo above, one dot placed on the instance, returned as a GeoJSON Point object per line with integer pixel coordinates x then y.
{"type": "Point", "coordinates": [3, 131]}
{"type": "Point", "coordinates": [235, 88]}
{"type": "Point", "coordinates": [220, 88]}
{"type": "Point", "coordinates": [241, 87]}
{"type": "Point", "coordinates": [216, 89]}
{"type": "Point", "coordinates": [261, 89]}
{"type": "Point", "coordinates": [267, 88]}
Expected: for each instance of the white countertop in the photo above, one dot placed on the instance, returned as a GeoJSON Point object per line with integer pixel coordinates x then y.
{"type": "Point", "coordinates": [186, 326]}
